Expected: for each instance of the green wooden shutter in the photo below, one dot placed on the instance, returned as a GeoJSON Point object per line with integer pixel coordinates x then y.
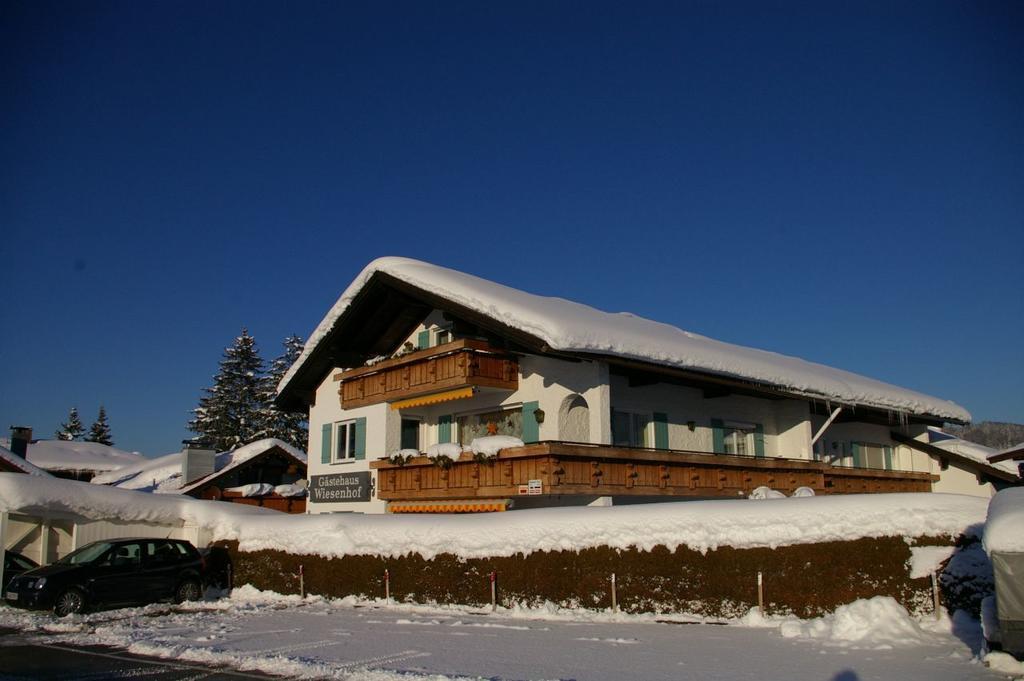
{"type": "Point", "coordinates": [888, 458]}
{"type": "Point", "coordinates": [855, 448]}
{"type": "Point", "coordinates": [423, 340]}
{"type": "Point", "coordinates": [717, 436]}
{"type": "Point", "coordinates": [531, 429]}
{"type": "Point", "coordinates": [759, 440]}
{"type": "Point", "coordinates": [325, 443]}
{"type": "Point", "coordinates": [361, 438]}
{"type": "Point", "coordinates": [660, 430]}
{"type": "Point", "coordinates": [444, 428]}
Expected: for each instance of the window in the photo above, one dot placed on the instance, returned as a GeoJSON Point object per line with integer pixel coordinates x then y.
{"type": "Point", "coordinates": [738, 438]}
{"type": "Point", "coordinates": [411, 434]}
{"type": "Point", "coordinates": [345, 441]}
{"type": "Point", "coordinates": [506, 422]}
{"type": "Point", "coordinates": [870, 455]}
{"type": "Point", "coordinates": [629, 429]}
{"type": "Point", "coordinates": [442, 336]}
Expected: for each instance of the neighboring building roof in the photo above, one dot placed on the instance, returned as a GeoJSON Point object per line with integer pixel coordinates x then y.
{"type": "Point", "coordinates": [967, 449]}
{"type": "Point", "coordinates": [163, 475]}
{"type": "Point", "coordinates": [10, 460]}
{"type": "Point", "coordinates": [564, 326]}
{"type": "Point", "coordinates": [1014, 452]}
{"type": "Point", "coordinates": [71, 455]}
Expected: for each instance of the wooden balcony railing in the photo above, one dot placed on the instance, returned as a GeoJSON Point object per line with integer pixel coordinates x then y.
{"type": "Point", "coordinates": [560, 468]}
{"type": "Point", "coordinates": [459, 364]}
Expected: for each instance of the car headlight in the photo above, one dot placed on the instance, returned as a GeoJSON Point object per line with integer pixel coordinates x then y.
{"type": "Point", "coordinates": [40, 583]}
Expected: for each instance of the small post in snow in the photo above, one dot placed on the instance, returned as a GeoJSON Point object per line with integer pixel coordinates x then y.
{"type": "Point", "coordinates": [302, 582]}
{"type": "Point", "coordinates": [760, 592]}
{"type": "Point", "coordinates": [615, 598]}
{"type": "Point", "coordinates": [387, 586]}
{"type": "Point", "coordinates": [937, 606]}
{"type": "Point", "coordinates": [494, 591]}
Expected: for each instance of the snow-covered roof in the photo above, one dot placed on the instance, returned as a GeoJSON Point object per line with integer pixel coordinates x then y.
{"type": "Point", "coordinates": [71, 455]}
{"type": "Point", "coordinates": [969, 450]}
{"type": "Point", "coordinates": [163, 475]}
{"type": "Point", "coordinates": [1012, 452]}
{"type": "Point", "coordinates": [21, 464]}
{"type": "Point", "coordinates": [1004, 529]}
{"type": "Point", "coordinates": [571, 327]}
{"type": "Point", "coordinates": [699, 525]}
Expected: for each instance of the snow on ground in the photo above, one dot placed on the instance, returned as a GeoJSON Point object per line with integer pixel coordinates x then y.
{"type": "Point", "coordinates": [55, 455]}
{"type": "Point", "coordinates": [573, 327]}
{"type": "Point", "coordinates": [1004, 530]}
{"type": "Point", "coordinates": [371, 640]}
{"type": "Point", "coordinates": [699, 525]}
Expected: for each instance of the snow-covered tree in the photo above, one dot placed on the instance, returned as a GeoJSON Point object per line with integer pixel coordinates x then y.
{"type": "Point", "coordinates": [292, 428]}
{"type": "Point", "coordinates": [100, 430]}
{"type": "Point", "coordinates": [72, 429]}
{"type": "Point", "coordinates": [230, 413]}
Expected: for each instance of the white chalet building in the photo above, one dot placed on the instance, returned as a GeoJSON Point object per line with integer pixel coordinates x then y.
{"type": "Point", "coordinates": [414, 362]}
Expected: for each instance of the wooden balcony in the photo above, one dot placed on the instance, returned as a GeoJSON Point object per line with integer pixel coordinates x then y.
{"type": "Point", "coordinates": [597, 470]}
{"type": "Point", "coordinates": [460, 364]}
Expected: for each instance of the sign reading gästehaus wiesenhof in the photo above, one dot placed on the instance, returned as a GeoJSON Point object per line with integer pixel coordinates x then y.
{"type": "Point", "coordinates": [353, 486]}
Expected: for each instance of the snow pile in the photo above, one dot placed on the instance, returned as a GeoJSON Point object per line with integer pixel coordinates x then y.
{"type": "Point", "coordinates": [21, 464]}
{"type": "Point", "coordinates": [924, 560]}
{"type": "Point", "coordinates": [291, 490]}
{"type": "Point", "coordinates": [448, 449]}
{"type": "Point", "coordinates": [766, 493]}
{"type": "Point", "coordinates": [699, 525]}
{"type": "Point", "coordinates": [1005, 663]}
{"type": "Point", "coordinates": [572, 327]}
{"type": "Point", "coordinates": [803, 492]}
{"type": "Point", "coordinates": [878, 622]}
{"type": "Point", "coordinates": [255, 489]}
{"type": "Point", "coordinates": [492, 444]}
{"type": "Point", "coordinates": [161, 475]}
{"type": "Point", "coordinates": [1004, 530]}
{"type": "Point", "coordinates": [65, 455]}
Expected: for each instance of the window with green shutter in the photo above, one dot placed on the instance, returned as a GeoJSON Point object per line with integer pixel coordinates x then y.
{"type": "Point", "coordinates": [660, 430]}
{"type": "Point", "coordinates": [444, 428]}
{"type": "Point", "coordinates": [531, 429]}
{"type": "Point", "coordinates": [325, 443]}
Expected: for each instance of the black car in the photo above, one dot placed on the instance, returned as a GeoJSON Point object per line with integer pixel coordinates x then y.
{"type": "Point", "coordinates": [15, 564]}
{"type": "Point", "coordinates": [112, 573]}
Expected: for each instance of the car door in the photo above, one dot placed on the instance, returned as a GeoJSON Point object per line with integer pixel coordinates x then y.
{"type": "Point", "coordinates": [116, 577]}
{"type": "Point", "coordinates": [161, 564]}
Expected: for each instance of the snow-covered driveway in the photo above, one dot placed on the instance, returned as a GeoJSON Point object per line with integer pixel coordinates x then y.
{"type": "Point", "coordinates": [350, 639]}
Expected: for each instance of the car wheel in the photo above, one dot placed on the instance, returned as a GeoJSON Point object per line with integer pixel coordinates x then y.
{"type": "Point", "coordinates": [189, 590]}
{"type": "Point", "coordinates": [69, 602]}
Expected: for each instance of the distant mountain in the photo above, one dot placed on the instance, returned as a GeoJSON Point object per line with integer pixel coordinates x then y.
{"type": "Point", "coordinates": [990, 433]}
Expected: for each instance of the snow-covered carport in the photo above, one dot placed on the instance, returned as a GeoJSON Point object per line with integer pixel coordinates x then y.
{"type": "Point", "coordinates": [1004, 541]}
{"type": "Point", "coordinates": [46, 518]}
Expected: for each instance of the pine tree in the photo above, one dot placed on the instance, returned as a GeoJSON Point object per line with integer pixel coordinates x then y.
{"type": "Point", "coordinates": [100, 430]}
{"type": "Point", "coordinates": [290, 427]}
{"type": "Point", "coordinates": [73, 429]}
{"type": "Point", "coordinates": [229, 414]}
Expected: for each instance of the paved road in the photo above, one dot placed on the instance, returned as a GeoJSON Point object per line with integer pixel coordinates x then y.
{"type": "Point", "coordinates": [25, 658]}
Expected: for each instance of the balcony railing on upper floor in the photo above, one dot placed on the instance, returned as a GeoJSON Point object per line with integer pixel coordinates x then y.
{"type": "Point", "coordinates": [465, 363]}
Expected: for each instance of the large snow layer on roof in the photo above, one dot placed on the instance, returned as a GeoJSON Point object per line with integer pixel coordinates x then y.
{"type": "Point", "coordinates": [573, 327]}
{"type": "Point", "coordinates": [699, 525]}
{"type": "Point", "coordinates": [163, 475]}
{"type": "Point", "coordinates": [1004, 530]}
{"type": "Point", "coordinates": [57, 455]}
{"type": "Point", "coordinates": [20, 463]}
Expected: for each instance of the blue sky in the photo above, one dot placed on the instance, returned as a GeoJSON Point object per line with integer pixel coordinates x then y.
{"type": "Point", "coordinates": [843, 182]}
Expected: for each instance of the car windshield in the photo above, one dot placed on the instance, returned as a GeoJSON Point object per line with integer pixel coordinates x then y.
{"type": "Point", "coordinates": [23, 563]}
{"type": "Point", "coordinates": [86, 554]}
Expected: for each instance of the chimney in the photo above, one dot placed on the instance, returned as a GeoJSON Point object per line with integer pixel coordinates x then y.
{"type": "Point", "coordinates": [20, 437]}
{"type": "Point", "coordinates": [197, 461]}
